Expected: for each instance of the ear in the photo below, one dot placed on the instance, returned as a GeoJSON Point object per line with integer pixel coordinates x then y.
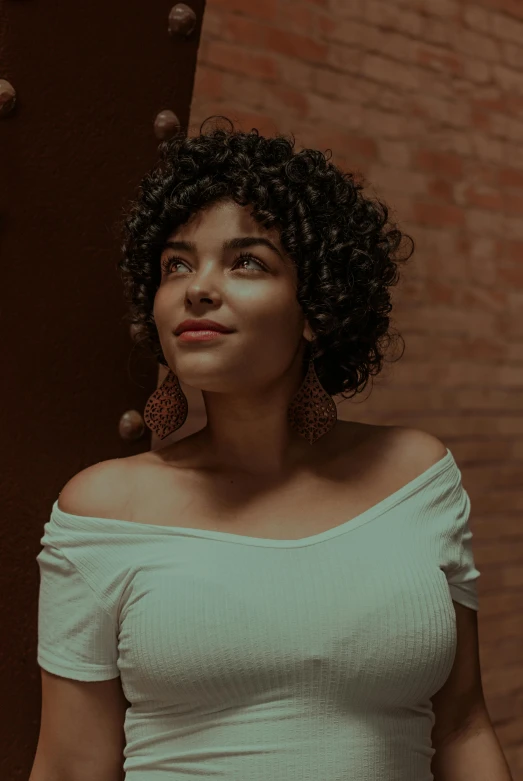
{"type": "Point", "coordinates": [307, 332]}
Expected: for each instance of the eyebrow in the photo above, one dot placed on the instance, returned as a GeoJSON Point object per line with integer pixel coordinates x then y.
{"type": "Point", "coordinates": [240, 242]}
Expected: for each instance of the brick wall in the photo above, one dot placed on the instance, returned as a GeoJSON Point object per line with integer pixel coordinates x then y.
{"type": "Point", "coordinates": [425, 99]}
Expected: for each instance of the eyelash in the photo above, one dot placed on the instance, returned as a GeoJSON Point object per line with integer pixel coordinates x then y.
{"type": "Point", "coordinates": [167, 264]}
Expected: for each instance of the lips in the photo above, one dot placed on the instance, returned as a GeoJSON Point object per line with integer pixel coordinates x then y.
{"type": "Point", "coordinates": [201, 325]}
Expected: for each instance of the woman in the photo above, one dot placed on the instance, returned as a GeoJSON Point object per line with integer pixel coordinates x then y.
{"type": "Point", "coordinates": [277, 595]}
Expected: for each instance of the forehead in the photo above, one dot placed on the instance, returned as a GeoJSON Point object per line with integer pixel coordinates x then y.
{"type": "Point", "coordinates": [223, 220]}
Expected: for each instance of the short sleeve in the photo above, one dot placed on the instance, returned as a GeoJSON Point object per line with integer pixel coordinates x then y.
{"type": "Point", "coordinates": [462, 579]}
{"type": "Point", "coordinates": [77, 636]}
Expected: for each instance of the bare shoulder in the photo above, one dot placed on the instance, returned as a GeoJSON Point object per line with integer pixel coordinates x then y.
{"type": "Point", "coordinates": [100, 490]}
{"type": "Point", "coordinates": [412, 450]}
{"type": "Point", "coordinates": [396, 454]}
{"type": "Point", "coordinates": [420, 446]}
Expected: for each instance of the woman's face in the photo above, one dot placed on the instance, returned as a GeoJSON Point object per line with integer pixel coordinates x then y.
{"type": "Point", "coordinates": [250, 289]}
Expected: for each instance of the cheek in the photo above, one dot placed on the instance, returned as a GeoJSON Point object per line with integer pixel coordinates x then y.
{"type": "Point", "coordinates": [276, 308]}
{"type": "Point", "coordinates": [163, 308]}
{"type": "Point", "coordinates": [273, 333]}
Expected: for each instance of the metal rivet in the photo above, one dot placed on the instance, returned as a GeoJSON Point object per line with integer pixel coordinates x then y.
{"type": "Point", "coordinates": [131, 425]}
{"type": "Point", "coordinates": [166, 124]}
{"type": "Point", "coordinates": [7, 97]}
{"type": "Point", "coordinates": [182, 20]}
{"type": "Point", "coordinates": [134, 330]}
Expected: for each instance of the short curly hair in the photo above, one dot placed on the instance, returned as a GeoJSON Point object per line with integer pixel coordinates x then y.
{"type": "Point", "coordinates": [345, 249]}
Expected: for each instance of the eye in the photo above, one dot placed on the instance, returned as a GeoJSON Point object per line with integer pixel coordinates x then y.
{"type": "Point", "coordinates": [169, 263]}
{"type": "Point", "coordinates": [244, 256]}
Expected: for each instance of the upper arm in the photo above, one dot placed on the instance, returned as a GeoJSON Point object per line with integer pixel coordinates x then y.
{"type": "Point", "coordinates": [82, 719]}
{"type": "Point", "coordinates": [81, 730]}
{"type": "Point", "coordinates": [459, 706]}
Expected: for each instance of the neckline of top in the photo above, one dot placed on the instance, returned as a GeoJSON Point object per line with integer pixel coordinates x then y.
{"type": "Point", "coordinates": [372, 512]}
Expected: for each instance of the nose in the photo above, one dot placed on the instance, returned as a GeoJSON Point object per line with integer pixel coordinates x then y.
{"type": "Point", "coordinates": [203, 285]}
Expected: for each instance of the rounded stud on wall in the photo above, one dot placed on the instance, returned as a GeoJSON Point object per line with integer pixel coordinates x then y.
{"type": "Point", "coordinates": [131, 425]}
{"type": "Point", "coordinates": [134, 331]}
{"type": "Point", "coordinates": [166, 124]}
{"type": "Point", "coordinates": [7, 97]}
{"type": "Point", "coordinates": [182, 20]}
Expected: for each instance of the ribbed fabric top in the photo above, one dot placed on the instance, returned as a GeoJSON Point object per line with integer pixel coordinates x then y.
{"type": "Point", "coordinates": [250, 659]}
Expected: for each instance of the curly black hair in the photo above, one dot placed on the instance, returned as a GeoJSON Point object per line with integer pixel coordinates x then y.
{"type": "Point", "coordinates": [345, 249]}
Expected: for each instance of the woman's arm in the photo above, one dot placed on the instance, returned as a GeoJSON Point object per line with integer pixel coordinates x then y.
{"type": "Point", "coordinates": [81, 730]}
{"type": "Point", "coordinates": [467, 748]}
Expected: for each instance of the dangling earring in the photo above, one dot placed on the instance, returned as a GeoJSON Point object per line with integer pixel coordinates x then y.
{"type": "Point", "coordinates": [166, 409]}
{"type": "Point", "coordinates": [312, 412]}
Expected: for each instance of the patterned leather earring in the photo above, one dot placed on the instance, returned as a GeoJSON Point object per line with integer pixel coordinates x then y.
{"type": "Point", "coordinates": [166, 409]}
{"type": "Point", "coordinates": [312, 412]}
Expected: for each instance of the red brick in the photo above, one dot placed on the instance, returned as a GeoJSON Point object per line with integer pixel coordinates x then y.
{"type": "Point", "coordinates": [485, 223]}
{"type": "Point", "coordinates": [212, 24]}
{"type": "Point", "coordinates": [352, 33]}
{"type": "Point", "coordinates": [208, 82]}
{"type": "Point", "coordinates": [355, 9]}
{"type": "Point", "coordinates": [444, 112]}
{"type": "Point", "coordinates": [439, 214]}
{"type": "Point", "coordinates": [299, 17]}
{"type": "Point", "coordinates": [477, 18]}
{"type": "Point", "coordinates": [267, 10]}
{"type": "Point", "coordinates": [328, 82]}
{"type": "Point", "coordinates": [245, 93]}
{"type": "Point", "coordinates": [344, 58]}
{"type": "Point", "coordinates": [440, 162]}
{"type": "Point", "coordinates": [497, 103]}
{"type": "Point", "coordinates": [486, 174]}
{"type": "Point", "coordinates": [513, 55]}
{"type": "Point", "coordinates": [480, 117]}
{"type": "Point", "coordinates": [296, 45]}
{"type": "Point", "coordinates": [491, 200]}
{"type": "Point", "coordinates": [439, 33]}
{"type": "Point", "coordinates": [506, 28]}
{"type": "Point", "coordinates": [513, 204]}
{"type": "Point", "coordinates": [325, 25]}
{"type": "Point", "coordinates": [445, 62]}
{"type": "Point", "coordinates": [331, 112]}
{"type": "Point", "coordinates": [511, 275]}
{"type": "Point", "coordinates": [477, 45]}
{"type": "Point", "coordinates": [246, 120]}
{"type": "Point", "coordinates": [385, 124]}
{"type": "Point", "coordinates": [446, 8]}
{"type": "Point", "coordinates": [389, 16]}
{"type": "Point", "coordinates": [508, 79]}
{"type": "Point", "coordinates": [477, 71]}
{"type": "Point", "coordinates": [284, 98]}
{"type": "Point", "coordinates": [351, 145]}
{"type": "Point", "coordinates": [295, 73]}
{"type": "Point", "coordinates": [440, 292]}
{"type": "Point", "coordinates": [514, 155]}
{"type": "Point", "coordinates": [514, 251]}
{"type": "Point", "coordinates": [239, 60]}
{"type": "Point", "coordinates": [247, 31]}
{"type": "Point", "coordinates": [397, 46]}
{"type": "Point", "coordinates": [440, 188]}
{"type": "Point", "coordinates": [389, 72]}
{"type": "Point", "coordinates": [397, 154]}
{"type": "Point", "coordinates": [396, 180]}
